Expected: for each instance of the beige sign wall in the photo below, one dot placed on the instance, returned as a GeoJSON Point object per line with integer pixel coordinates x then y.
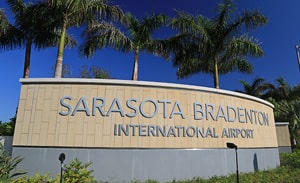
{"type": "Point", "coordinates": [128, 114]}
{"type": "Point", "coordinates": [283, 134]}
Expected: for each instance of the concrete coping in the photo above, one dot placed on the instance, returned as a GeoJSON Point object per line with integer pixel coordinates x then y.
{"type": "Point", "coordinates": [139, 83]}
{"type": "Point", "coordinates": [282, 123]}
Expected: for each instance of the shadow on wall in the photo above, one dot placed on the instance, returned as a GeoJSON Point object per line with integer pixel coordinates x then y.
{"type": "Point", "coordinates": [255, 163]}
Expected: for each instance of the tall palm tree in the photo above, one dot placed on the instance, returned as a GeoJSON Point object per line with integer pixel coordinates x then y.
{"type": "Point", "coordinates": [215, 46]}
{"type": "Point", "coordinates": [137, 38]}
{"type": "Point", "coordinates": [27, 30]}
{"type": "Point", "coordinates": [74, 13]}
{"type": "Point", "coordinates": [258, 88]}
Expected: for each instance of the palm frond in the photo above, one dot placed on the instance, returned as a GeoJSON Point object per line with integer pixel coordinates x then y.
{"type": "Point", "coordinates": [153, 22]}
{"type": "Point", "coordinates": [244, 45]}
{"type": "Point", "coordinates": [235, 64]}
{"type": "Point", "coordinates": [225, 9]}
{"type": "Point", "coordinates": [4, 24]}
{"type": "Point", "coordinates": [109, 12]}
{"type": "Point", "coordinates": [183, 22]}
{"type": "Point", "coordinates": [17, 7]}
{"type": "Point", "coordinates": [187, 23]}
{"type": "Point", "coordinates": [103, 34]}
{"type": "Point", "coordinates": [190, 67]}
{"type": "Point", "coordinates": [249, 19]}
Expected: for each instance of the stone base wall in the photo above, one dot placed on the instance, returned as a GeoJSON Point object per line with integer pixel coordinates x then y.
{"type": "Point", "coordinates": [124, 165]}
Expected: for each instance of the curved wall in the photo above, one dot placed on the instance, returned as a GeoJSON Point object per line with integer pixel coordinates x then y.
{"type": "Point", "coordinates": [143, 129]}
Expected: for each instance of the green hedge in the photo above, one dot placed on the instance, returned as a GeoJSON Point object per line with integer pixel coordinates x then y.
{"type": "Point", "coordinates": [290, 159]}
{"type": "Point", "coordinates": [288, 172]}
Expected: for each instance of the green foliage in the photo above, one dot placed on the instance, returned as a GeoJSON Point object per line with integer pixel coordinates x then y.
{"type": "Point", "coordinates": [278, 175]}
{"type": "Point", "coordinates": [290, 159]}
{"type": "Point", "coordinates": [76, 172]}
{"type": "Point", "coordinates": [38, 178]}
{"type": "Point", "coordinates": [65, 14]}
{"type": "Point", "coordinates": [286, 100]}
{"type": "Point", "coordinates": [147, 181]}
{"type": "Point", "coordinates": [7, 129]}
{"type": "Point", "coordinates": [215, 46]}
{"type": "Point", "coordinates": [8, 165]}
{"type": "Point", "coordinates": [94, 72]}
{"type": "Point", "coordinates": [258, 88]}
{"type": "Point", "coordinates": [66, 71]}
{"type": "Point", "coordinates": [137, 37]}
{"type": "Point", "coordinates": [5, 180]}
{"type": "Point", "coordinates": [288, 172]}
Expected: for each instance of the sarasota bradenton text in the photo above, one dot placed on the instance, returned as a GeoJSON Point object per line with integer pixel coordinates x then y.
{"type": "Point", "coordinates": [167, 109]}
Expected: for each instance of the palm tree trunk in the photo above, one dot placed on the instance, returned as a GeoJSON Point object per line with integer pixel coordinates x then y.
{"type": "Point", "coordinates": [60, 53]}
{"type": "Point", "coordinates": [216, 74]}
{"type": "Point", "coordinates": [27, 60]}
{"type": "Point", "coordinates": [135, 66]}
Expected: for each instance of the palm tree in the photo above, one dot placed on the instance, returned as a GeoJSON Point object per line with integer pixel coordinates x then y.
{"type": "Point", "coordinates": [286, 100]}
{"type": "Point", "coordinates": [283, 90]}
{"type": "Point", "coordinates": [74, 13]}
{"type": "Point", "coordinates": [215, 46]}
{"type": "Point", "coordinates": [289, 110]}
{"type": "Point", "coordinates": [258, 88]}
{"type": "Point", "coordinates": [28, 29]}
{"type": "Point", "coordinates": [137, 38]}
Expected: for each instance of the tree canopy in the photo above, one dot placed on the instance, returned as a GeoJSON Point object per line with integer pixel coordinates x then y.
{"type": "Point", "coordinates": [286, 100]}
{"type": "Point", "coordinates": [65, 14]}
{"type": "Point", "coordinates": [136, 37]}
{"type": "Point", "coordinates": [215, 46]}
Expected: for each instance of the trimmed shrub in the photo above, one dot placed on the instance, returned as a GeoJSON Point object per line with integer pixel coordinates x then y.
{"type": "Point", "coordinates": [290, 159]}
{"type": "Point", "coordinates": [76, 172]}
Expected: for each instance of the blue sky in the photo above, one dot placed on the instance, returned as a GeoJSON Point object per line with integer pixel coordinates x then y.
{"type": "Point", "coordinates": [278, 38]}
